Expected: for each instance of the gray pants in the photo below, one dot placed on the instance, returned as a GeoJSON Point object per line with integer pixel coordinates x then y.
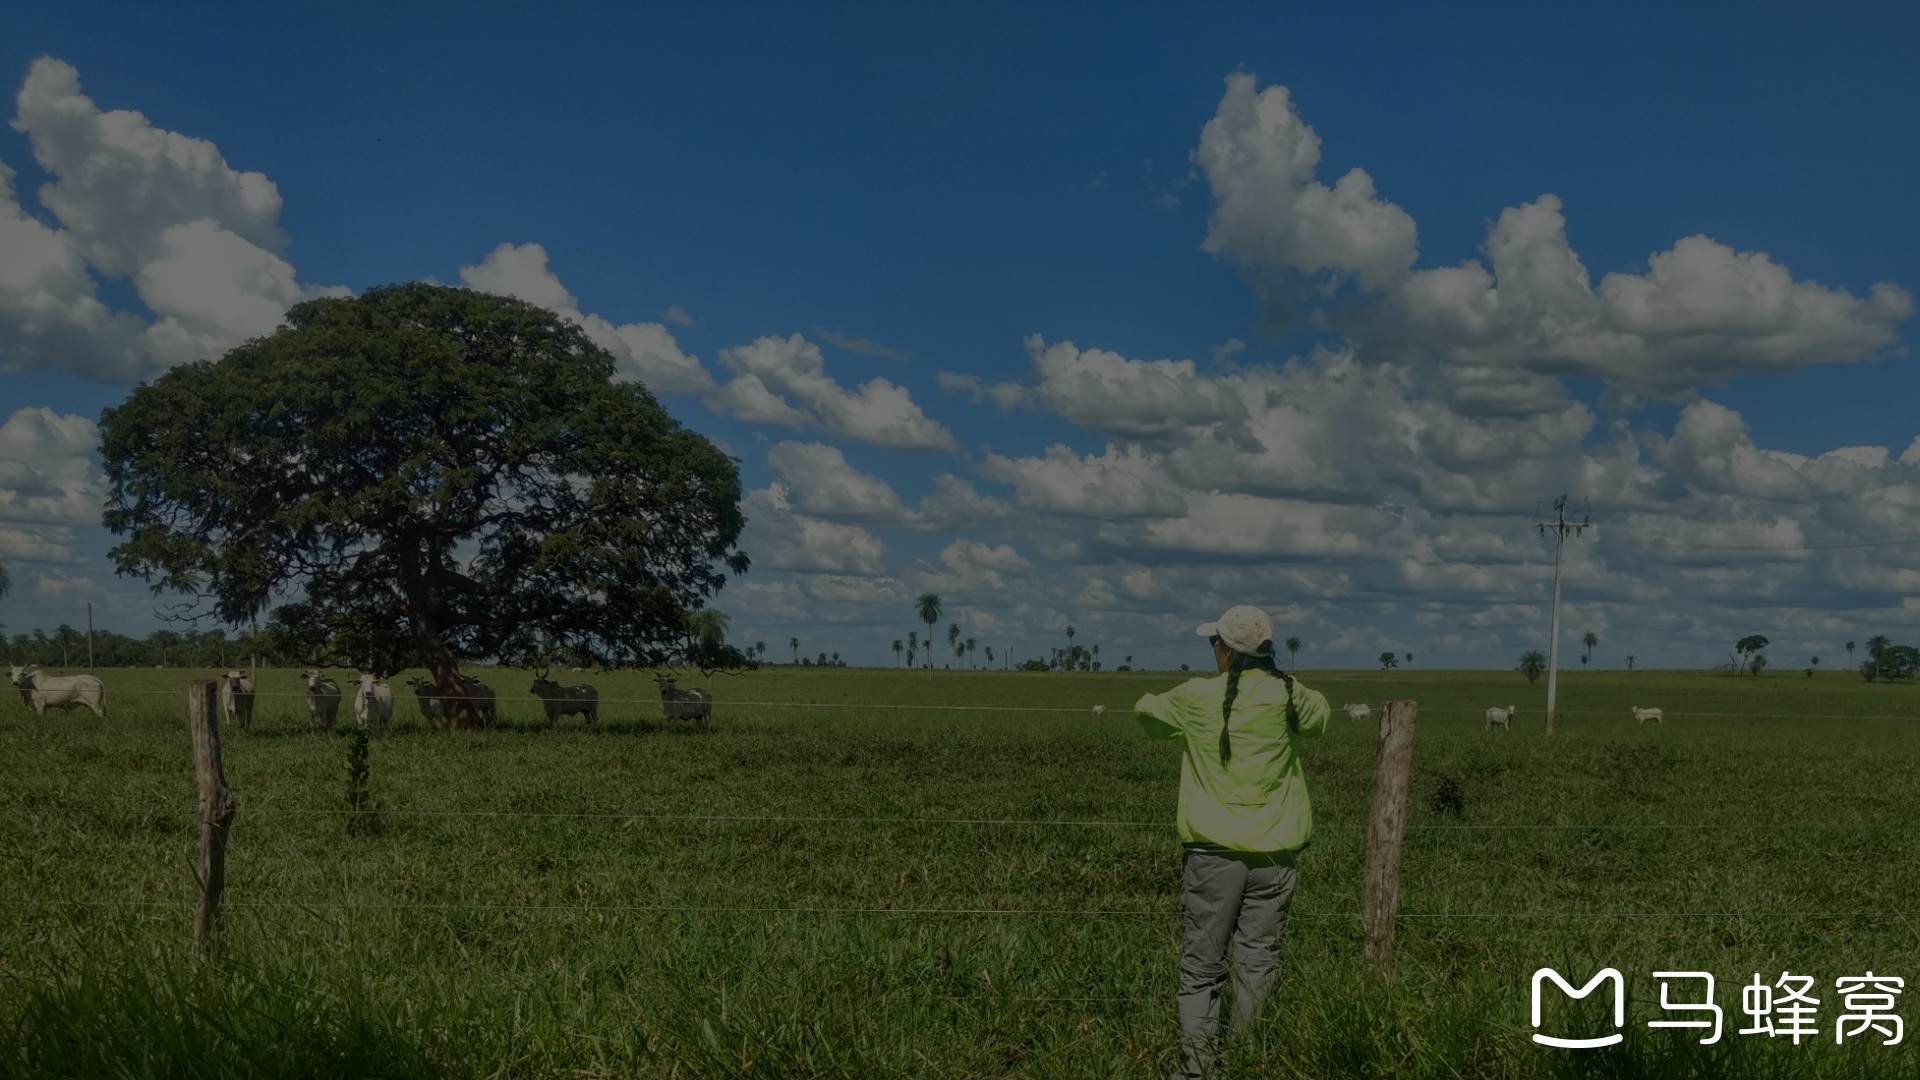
{"type": "Point", "coordinates": [1240, 899]}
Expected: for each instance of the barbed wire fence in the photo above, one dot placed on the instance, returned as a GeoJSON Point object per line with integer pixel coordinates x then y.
{"type": "Point", "coordinates": [889, 911]}
{"type": "Point", "coordinates": [1103, 709]}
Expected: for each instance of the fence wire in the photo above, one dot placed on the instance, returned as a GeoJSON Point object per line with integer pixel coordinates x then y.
{"type": "Point", "coordinates": [935, 912]}
{"type": "Point", "coordinates": [269, 810]}
{"type": "Point", "coordinates": [1095, 709]}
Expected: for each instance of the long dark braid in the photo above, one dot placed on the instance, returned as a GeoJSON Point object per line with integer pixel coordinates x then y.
{"type": "Point", "coordinates": [1260, 660]}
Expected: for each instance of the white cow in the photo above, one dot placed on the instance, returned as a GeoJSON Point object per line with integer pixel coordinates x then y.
{"type": "Point", "coordinates": [1644, 715]}
{"type": "Point", "coordinates": [373, 702]}
{"type": "Point", "coordinates": [236, 698]}
{"type": "Point", "coordinates": [323, 701]}
{"type": "Point", "coordinates": [39, 692]}
{"type": "Point", "coordinates": [1503, 717]}
{"type": "Point", "coordinates": [1357, 712]}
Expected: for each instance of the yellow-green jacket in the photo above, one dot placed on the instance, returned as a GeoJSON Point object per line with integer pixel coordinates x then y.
{"type": "Point", "coordinates": [1257, 799]}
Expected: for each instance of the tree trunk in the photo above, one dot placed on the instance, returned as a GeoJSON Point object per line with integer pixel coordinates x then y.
{"type": "Point", "coordinates": [425, 608]}
{"type": "Point", "coordinates": [446, 676]}
{"type": "Point", "coordinates": [445, 669]}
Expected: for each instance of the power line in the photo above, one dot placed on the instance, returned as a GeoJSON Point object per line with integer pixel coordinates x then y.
{"type": "Point", "coordinates": [936, 912]}
{"type": "Point", "coordinates": [1889, 540]}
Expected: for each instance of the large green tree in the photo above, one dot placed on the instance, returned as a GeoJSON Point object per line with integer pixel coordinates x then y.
{"type": "Point", "coordinates": [427, 474]}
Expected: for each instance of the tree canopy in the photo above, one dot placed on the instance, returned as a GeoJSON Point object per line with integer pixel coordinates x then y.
{"type": "Point", "coordinates": [425, 472]}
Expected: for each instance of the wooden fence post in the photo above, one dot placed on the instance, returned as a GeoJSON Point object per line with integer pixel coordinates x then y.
{"type": "Point", "coordinates": [217, 807]}
{"type": "Point", "coordinates": [1386, 827]}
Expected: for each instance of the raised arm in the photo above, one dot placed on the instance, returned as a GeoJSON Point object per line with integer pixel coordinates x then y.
{"type": "Point", "coordinates": [1313, 709]}
{"type": "Point", "coordinates": [1159, 714]}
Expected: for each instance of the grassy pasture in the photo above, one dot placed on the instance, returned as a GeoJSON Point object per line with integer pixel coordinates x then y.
{"type": "Point", "coordinates": [863, 886]}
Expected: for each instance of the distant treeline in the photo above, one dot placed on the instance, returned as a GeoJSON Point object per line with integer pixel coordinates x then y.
{"type": "Point", "coordinates": [66, 647]}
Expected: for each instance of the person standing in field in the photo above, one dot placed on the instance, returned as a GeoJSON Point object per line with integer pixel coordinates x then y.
{"type": "Point", "coordinates": [1244, 817]}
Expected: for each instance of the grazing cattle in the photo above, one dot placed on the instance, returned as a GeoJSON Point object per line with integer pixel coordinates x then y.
{"type": "Point", "coordinates": [373, 702]}
{"type": "Point", "coordinates": [563, 700]}
{"type": "Point", "coordinates": [236, 698]}
{"type": "Point", "coordinates": [323, 701]}
{"type": "Point", "coordinates": [1644, 715]}
{"type": "Point", "coordinates": [482, 699]}
{"type": "Point", "coordinates": [1098, 709]}
{"type": "Point", "coordinates": [677, 704]}
{"type": "Point", "coordinates": [1357, 712]}
{"type": "Point", "coordinates": [40, 692]}
{"type": "Point", "coordinates": [433, 709]}
{"type": "Point", "coordinates": [1503, 717]}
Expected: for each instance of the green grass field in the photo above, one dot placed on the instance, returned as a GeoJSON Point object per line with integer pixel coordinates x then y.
{"type": "Point", "coordinates": [865, 886]}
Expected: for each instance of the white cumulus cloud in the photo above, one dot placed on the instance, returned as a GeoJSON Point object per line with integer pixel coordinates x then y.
{"type": "Point", "coordinates": [1505, 328]}
{"type": "Point", "coordinates": [50, 483]}
{"type": "Point", "coordinates": [777, 538]}
{"type": "Point", "coordinates": [200, 241]}
{"type": "Point", "coordinates": [1269, 210]}
{"type": "Point", "coordinates": [784, 381]}
{"type": "Point", "coordinates": [642, 351]}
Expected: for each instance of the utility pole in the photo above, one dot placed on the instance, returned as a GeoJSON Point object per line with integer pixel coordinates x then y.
{"type": "Point", "coordinates": [1560, 527]}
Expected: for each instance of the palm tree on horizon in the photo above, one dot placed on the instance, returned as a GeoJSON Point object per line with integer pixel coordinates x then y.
{"type": "Point", "coordinates": [928, 607]}
{"type": "Point", "coordinates": [897, 646]}
{"type": "Point", "coordinates": [795, 642]}
{"type": "Point", "coordinates": [1532, 663]}
{"type": "Point", "coordinates": [1590, 640]}
{"type": "Point", "coordinates": [1293, 653]}
{"type": "Point", "coordinates": [709, 627]}
{"type": "Point", "coordinates": [1849, 654]}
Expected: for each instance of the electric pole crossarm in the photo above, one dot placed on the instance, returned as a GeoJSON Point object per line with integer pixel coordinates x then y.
{"type": "Point", "coordinates": [1560, 527]}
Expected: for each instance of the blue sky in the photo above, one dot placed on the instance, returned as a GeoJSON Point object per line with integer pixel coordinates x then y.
{"type": "Point", "coordinates": [948, 185]}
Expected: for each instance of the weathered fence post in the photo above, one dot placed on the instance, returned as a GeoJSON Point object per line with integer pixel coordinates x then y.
{"type": "Point", "coordinates": [1386, 827]}
{"type": "Point", "coordinates": [217, 807]}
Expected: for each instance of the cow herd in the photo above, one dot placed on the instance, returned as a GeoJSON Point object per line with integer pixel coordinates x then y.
{"type": "Point", "coordinates": [372, 698]}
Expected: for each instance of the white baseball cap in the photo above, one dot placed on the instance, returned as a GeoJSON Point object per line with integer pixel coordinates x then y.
{"type": "Point", "coordinates": [1244, 629]}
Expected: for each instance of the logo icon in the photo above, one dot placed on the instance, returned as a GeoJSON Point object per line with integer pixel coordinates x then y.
{"type": "Point", "coordinates": [1619, 1007]}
